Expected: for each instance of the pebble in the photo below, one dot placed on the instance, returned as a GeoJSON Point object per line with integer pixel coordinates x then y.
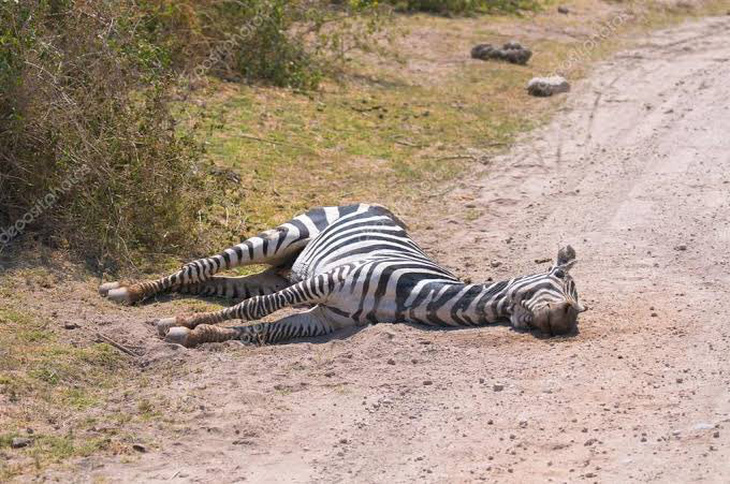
{"type": "Point", "coordinates": [139, 448]}
{"type": "Point", "coordinates": [20, 442]}
{"type": "Point", "coordinates": [427, 382]}
{"type": "Point", "coordinates": [496, 263]}
{"type": "Point", "coordinates": [681, 247]}
{"type": "Point", "coordinates": [547, 86]}
{"type": "Point", "coordinates": [391, 361]}
{"type": "Point", "coordinates": [704, 426]}
{"type": "Point", "coordinates": [70, 325]}
{"type": "Point", "coordinates": [498, 388]}
{"type": "Point", "coordinates": [563, 9]}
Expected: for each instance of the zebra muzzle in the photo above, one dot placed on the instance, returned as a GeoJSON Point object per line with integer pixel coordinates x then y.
{"type": "Point", "coordinates": [556, 319]}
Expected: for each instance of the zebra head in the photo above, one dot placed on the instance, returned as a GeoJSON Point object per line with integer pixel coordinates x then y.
{"type": "Point", "coordinates": [548, 302]}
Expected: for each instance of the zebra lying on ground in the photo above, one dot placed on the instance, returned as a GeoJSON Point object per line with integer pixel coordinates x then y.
{"type": "Point", "coordinates": [351, 265]}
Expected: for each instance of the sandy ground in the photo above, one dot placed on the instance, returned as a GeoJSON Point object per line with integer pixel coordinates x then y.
{"type": "Point", "coordinates": [635, 174]}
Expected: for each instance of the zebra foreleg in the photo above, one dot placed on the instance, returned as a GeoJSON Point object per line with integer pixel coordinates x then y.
{"type": "Point", "coordinates": [301, 325]}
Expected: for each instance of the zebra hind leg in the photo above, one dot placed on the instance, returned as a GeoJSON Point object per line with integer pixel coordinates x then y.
{"type": "Point", "coordinates": [274, 247]}
{"type": "Point", "coordinates": [301, 325]}
{"type": "Point", "coordinates": [239, 288]}
{"type": "Point", "coordinates": [309, 292]}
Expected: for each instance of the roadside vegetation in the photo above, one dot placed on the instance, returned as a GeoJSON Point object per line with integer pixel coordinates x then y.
{"type": "Point", "coordinates": [461, 7]}
{"type": "Point", "coordinates": [93, 156]}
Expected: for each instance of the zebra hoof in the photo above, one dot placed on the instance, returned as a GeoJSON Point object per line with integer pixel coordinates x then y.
{"type": "Point", "coordinates": [163, 326]}
{"type": "Point", "coordinates": [106, 287]}
{"type": "Point", "coordinates": [120, 295]}
{"type": "Point", "coordinates": [178, 335]}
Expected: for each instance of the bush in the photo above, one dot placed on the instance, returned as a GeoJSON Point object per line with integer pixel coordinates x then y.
{"type": "Point", "coordinates": [90, 155]}
{"type": "Point", "coordinates": [283, 42]}
{"type": "Point", "coordinates": [466, 6]}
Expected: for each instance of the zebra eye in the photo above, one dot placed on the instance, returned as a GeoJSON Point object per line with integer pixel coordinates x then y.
{"type": "Point", "coordinates": [559, 273]}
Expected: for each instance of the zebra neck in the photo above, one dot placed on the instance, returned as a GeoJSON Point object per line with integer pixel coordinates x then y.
{"type": "Point", "coordinates": [492, 303]}
{"type": "Point", "coordinates": [464, 304]}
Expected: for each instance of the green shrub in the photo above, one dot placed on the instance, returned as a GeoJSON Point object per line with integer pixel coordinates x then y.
{"type": "Point", "coordinates": [283, 42]}
{"type": "Point", "coordinates": [90, 155]}
{"type": "Point", "coordinates": [466, 6]}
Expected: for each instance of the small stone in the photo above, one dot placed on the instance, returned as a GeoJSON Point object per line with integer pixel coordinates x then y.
{"type": "Point", "coordinates": [481, 380]}
{"type": "Point", "coordinates": [563, 9]}
{"type": "Point", "coordinates": [139, 448]}
{"type": "Point", "coordinates": [20, 442]}
{"type": "Point", "coordinates": [716, 434]}
{"type": "Point", "coordinates": [547, 86]}
{"type": "Point", "coordinates": [497, 387]}
{"type": "Point", "coordinates": [680, 380]}
{"type": "Point", "coordinates": [654, 315]}
{"type": "Point", "coordinates": [70, 325]}
{"type": "Point", "coordinates": [344, 441]}
{"type": "Point", "coordinates": [496, 263]}
{"type": "Point", "coordinates": [391, 361]}
{"type": "Point", "coordinates": [703, 426]}
{"type": "Point", "coordinates": [590, 442]}
{"type": "Point", "coordinates": [427, 382]}
{"type": "Point", "coordinates": [681, 247]}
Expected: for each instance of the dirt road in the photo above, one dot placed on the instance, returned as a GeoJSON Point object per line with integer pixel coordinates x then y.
{"type": "Point", "coordinates": [635, 174]}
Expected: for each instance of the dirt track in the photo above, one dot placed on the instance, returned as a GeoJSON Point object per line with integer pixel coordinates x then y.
{"type": "Point", "coordinates": [635, 174]}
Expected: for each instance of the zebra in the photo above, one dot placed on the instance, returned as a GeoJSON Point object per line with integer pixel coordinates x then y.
{"type": "Point", "coordinates": [351, 265]}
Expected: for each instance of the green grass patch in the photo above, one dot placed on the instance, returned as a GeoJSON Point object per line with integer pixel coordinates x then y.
{"type": "Point", "coordinates": [47, 384]}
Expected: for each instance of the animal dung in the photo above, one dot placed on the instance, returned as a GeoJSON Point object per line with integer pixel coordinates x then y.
{"type": "Point", "coordinates": [513, 52]}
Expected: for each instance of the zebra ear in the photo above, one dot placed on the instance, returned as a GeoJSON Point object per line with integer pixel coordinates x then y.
{"type": "Point", "coordinates": [566, 258]}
